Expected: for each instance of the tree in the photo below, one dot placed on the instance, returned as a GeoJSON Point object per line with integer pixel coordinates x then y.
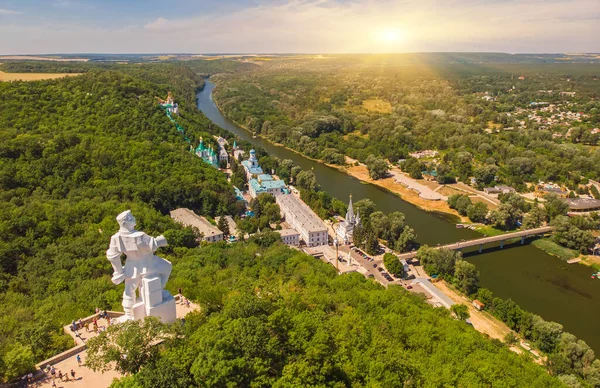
{"type": "Point", "coordinates": [365, 207]}
{"type": "Point", "coordinates": [380, 224]}
{"type": "Point", "coordinates": [378, 167]}
{"type": "Point", "coordinates": [444, 174]}
{"type": "Point", "coordinates": [294, 173]}
{"type": "Point", "coordinates": [129, 345]}
{"type": "Point", "coordinates": [485, 296]}
{"type": "Point", "coordinates": [477, 212]}
{"type": "Point", "coordinates": [570, 236]}
{"type": "Point", "coordinates": [485, 174]}
{"type": "Point", "coordinates": [307, 180]}
{"type": "Point", "coordinates": [17, 361]}
{"type": "Point", "coordinates": [223, 226]}
{"type": "Point", "coordinates": [510, 338]}
{"type": "Point", "coordinates": [185, 237]}
{"type": "Point", "coordinates": [462, 204]}
{"type": "Point", "coordinates": [438, 261]}
{"type": "Point", "coordinates": [466, 276]}
{"type": "Point", "coordinates": [535, 218]}
{"type": "Point", "coordinates": [461, 311]}
{"type": "Point", "coordinates": [546, 334]}
{"type": "Point", "coordinates": [413, 167]}
{"type": "Point", "coordinates": [406, 240]}
{"type": "Point", "coordinates": [393, 265]}
{"type": "Point", "coordinates": [555, 206]}
{"type": "Point", "coordinates": [594, 191]}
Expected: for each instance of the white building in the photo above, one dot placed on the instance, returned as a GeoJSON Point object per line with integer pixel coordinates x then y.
{"type": "Point", "coordinates": [187, 217]}
{"type": "Point", "coordinates": [223, 156]}
{"type": "Point", "coordinates": [301, 218]}
{"type": "Point", "coordinates": [251, 166]}
{"type": "Point", "coordinates": [265, 183]}
{"type": "Point", "coordinates": [289, 237]}
{"type": "Point", "coordinates": [345, 229]}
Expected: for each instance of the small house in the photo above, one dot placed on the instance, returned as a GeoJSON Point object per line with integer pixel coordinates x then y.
{"type": "Point", "coordinates": [478, 305]}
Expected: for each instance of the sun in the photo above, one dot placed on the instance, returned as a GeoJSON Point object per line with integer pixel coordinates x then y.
{"type": "Point", "coordinates": [390, 35]}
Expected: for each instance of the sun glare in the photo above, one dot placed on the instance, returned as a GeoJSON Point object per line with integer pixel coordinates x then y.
{"type": "Point", "coordinates": [390, 35]}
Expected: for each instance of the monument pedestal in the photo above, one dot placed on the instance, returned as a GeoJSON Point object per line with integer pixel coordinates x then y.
{"type": "Point", "coordinates": [166, 310]}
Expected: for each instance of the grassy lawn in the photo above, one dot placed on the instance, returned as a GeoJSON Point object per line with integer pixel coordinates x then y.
{"type": "Point", "coordinates": [489, 231]}
{"type": "Point", "coordinates": [554, 249]}
{"type": "Point", "coordinates": [448, 191]}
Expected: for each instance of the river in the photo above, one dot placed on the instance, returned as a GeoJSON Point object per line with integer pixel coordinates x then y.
{"type": "Point", "coordinates": [536, 281]}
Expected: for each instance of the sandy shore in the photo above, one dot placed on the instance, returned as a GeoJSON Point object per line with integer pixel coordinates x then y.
{"type": "Point", "coordinates": [362, 173]}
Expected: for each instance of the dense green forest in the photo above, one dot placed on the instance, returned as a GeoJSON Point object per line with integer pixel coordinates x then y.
{"type": "Point", "coordinates": [272, 316]}
{"type": "Point", "coordinates": [73, 153]}
{"type": "Point", "coordinates": [389, 106]}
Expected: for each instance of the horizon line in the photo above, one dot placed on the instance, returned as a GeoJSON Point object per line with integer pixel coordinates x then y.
{"type": "Point", "coordinates": [304, 53]}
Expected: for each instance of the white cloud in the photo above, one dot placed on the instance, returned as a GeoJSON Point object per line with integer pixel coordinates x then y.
{"type": "Point", "coordinates": [4, 11]}
{"type": "Point", "coordinates": [330, 26]}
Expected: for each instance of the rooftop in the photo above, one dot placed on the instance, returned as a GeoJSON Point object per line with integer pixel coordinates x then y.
{"type": "Point", "coordinates": [252, 170]}
{"type": "Point", "coordinates": [273, 184]}
{"type": "Point", "coordinates": [583, 203]}
{"type": "Point", "coordinates": [256, 186]}
{"type": "Point", "coordinates": [189, 218]}
{"type": "Point", "coordinates": [307, 218]}
{"type": "Point", "coordinates": [287, 232]}
{"type": "Point", "coordinates": [265, 177]}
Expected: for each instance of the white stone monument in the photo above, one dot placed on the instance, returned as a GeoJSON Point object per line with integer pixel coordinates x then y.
{"type": "Point", "coordinates": [143, 272]}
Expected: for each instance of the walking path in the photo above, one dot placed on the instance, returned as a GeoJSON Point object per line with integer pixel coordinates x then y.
{"type": "Point", "coordinates": [85, 377]}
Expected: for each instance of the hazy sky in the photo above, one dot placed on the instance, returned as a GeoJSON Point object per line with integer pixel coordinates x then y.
{"type": "Point", "coordinates": [298, 26]}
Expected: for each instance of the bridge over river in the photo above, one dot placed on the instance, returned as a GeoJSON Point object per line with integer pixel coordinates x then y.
{"type": "Point", "coordinates": [486, 240]}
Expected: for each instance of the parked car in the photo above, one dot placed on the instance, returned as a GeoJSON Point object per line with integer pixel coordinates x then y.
{"type": "Point", "coordinates": [380, 269]}
{"type": "Point", "coordinates": [374, 265]}
{"type": "Point", "coordinates": [409, 287]}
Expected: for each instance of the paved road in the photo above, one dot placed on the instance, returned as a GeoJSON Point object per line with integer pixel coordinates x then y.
{"type": "Point", "coordinates": [485, 240]}
{"type": "Point", "coordinates": [424, 191]}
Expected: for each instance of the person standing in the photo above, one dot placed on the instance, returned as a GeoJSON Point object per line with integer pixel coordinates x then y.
{"type": "Point", "coordinates": [78, 360]}
{"type": "Point", "coordinates": [60, 375]}
{"type": "Point", "coordinates": [73, 374]}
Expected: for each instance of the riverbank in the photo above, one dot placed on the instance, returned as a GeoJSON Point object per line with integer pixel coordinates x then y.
{"type": "Point", "coordinates": [543, 285]}
{"type": "Point", "coordinates": [361, 173]}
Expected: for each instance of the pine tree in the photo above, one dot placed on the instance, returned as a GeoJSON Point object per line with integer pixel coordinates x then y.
{"type": "Point", "coordinates": [223, 226]}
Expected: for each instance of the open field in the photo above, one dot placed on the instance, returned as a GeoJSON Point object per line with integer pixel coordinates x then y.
{"type": "Point", "coordinates": [490, 205]}
{"type": "Point", "coordinates": [34, 58]}
{"type": "Point", "coordinates": [377, 105]}
{"type": "Point", "coordinates": [4, 77]}
{"type": "Point", "coordinates": [448, 191]}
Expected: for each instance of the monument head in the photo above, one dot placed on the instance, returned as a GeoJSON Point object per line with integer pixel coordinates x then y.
{"type": "Point", "coordinates": [126, 220]}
